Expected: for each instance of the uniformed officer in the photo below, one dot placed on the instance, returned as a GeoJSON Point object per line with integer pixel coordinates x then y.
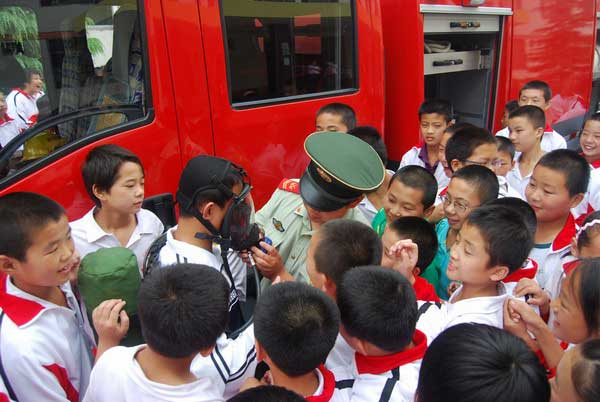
{"type": "Point", "coordinates": [342, 169]}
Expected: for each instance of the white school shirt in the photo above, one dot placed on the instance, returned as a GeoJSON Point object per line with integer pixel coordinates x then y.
{"type": "Point", "coordinates": [46, 349]}
{"type": "Point", "coordinates": [506, 190]}
{"type": "Point", "coordinates": [391, 378]}
{"type": "Point", "coordinates": [551, 267]}
{"type": "Point", "coordinates": [551, 139]}
{"type": "Point", "coordinates": [89, 236]}
{"type": "Point", "coordinates": [516, 181]}
{"type": "Point", "coordinates": [411, 157]}
{"type": "Point", "coordinates": [9, 129]}
{"type": "Point", "coordinates": [176, 251]}
{"type": "Point", "coordinates": [231, 362]}
{"type": "Point", "coordinates": [326, 390]}
{"type": "Point", "coordinates": [22, 107]}
{"type": "Point", "coordinates": [591, 199]}
{"type": "Point", "coordinates": [341, 354]}
{"type": "Point", "coordinates": [118, 377]}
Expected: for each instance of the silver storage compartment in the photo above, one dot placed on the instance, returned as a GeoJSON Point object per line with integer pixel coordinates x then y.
{"type": "Point", "coordinates": [460, 23]}
{"type": "Point", "coordinates": [451, 62]}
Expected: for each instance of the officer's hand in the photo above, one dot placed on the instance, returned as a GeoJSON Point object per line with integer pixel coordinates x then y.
{"type": "Point", "coordinates": [270, 263]}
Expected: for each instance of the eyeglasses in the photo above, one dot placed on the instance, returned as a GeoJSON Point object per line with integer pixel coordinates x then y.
{"type": "Point", "coordinates": [459, 207]}
{"type": "Point", "coordinates": [488, 164]}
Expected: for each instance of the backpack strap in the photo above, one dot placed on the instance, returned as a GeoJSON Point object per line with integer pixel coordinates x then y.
{"type": "Point", "coordinates": [152, 261]}
{"type": "Point", "coordinates": [11, 393]}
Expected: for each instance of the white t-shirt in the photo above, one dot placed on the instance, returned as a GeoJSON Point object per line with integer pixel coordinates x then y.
{"type": "Point", "coordinates": [9, 129]}
{"type": "Point", "coordinates": [341, 354]}
{"type": "Point", "coordinates": [89, 236]}
{"type": "Point", "coordinates": [117, 377]}
{"type": "Point", "coordinates": [517, 181]}
{"type": "Point", "coordinates": [506, 190]}
{"type": "Point", "coordinates": [551, 140]}
{"type": "Point", "coordinates": [176, 251]}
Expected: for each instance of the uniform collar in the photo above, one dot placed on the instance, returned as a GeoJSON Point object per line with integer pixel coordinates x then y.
{"type": "Point", "coordinates": [381, 364]}
{"type": "Point", "coordinates": [21, 307]}
{"type": "Point", "coordinates": [93, 231]}
{"type": "Point", "coordinates": [328, 382]}
{"type": "Point", "coordinates": [563, 239]}
{"type": "Point", "coordinates": [5, 119]}
{"type": "Point", "coordinates": [19, 90]}
{"type": "Point", "coordinates": [529, 271]}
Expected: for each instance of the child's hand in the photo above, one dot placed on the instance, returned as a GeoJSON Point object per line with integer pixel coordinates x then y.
{"type": "Point", "coordinates": [270, 263]}
{"type": "Point", "coordinates": [515, 325]}
{"type": "Point", "coordinates": [526, 314]}
{"type": "Point", "coordinates": [537, 296]}
{"type": "Point", "coordinates": [405, 254]}
{"type": "Point", "coordinates": [111, 322]}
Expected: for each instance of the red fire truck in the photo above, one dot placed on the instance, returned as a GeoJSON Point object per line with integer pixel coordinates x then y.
{"type": "Point", "coordinates": [243, 79]}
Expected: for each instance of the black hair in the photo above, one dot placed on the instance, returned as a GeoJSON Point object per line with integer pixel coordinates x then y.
{"type": "Point", "coordinates": [593, 117]}
{"type": "Point", "coordinates": [28, 74]}
{"type": "Point", "coordinates": [371, 136]}
{"type": "Point", "coordinates": [421, 233]}
{"type": "Point", "coordinates": [520, 207]}
{"type": "Point", "coordinates": [585, 373]}
{"type": "Point", "coordinates": [345, 244]}
{"type": "Point", "coordinates": [532, 114]}
{"type": "Point", "coordinates": [482, 178]}
{"type": "Point", "coordinates": [340, 109]}
{"type": "Point", "coordinates": [572, 166]}
{"type": "Point", "coordinates": [419, 178]}
{"type": "Point", "coordinates": [230, 179]}
{"type": "Point", "coordinates": [465, 141]}
{"type": "Point", "coordinates": [453, 129]}
{"type": "Point", "coordinates": [479, 363]}
{"type": "Point", "coordinates": [101, 168]}
{"type": "Point", "coordinates": [584, 237]}
{"type": "Point", "coordinates": [508, 240]}
{"type": "Point", "coordinates": [297, 325]}
{"type": "Point", "coordinates": [21, 216]}
{"type": "Point", "coordinates": [587, 291]}
{"type": "Point", "coordinates": [539, 85]}
{"type": "Point", "coordinates": [506, 146]}
{"type": "Point", "coordinates": [183, 309]}
{"type": "Point", "coordinates": [379, 306]}
{"type": "Point", "coordinates": [267, 393]}
{"type": "Point", "coordinates": [437, 106]}
{"type": "Point", "coordinates": [511, 105]}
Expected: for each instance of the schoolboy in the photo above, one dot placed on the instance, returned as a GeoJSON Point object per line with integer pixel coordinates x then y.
{"type": "Point", "coordinates": [46, 340]}
{"type": "Point", "coordinates": [479, 363]}
{"type": "Point", "coordinates": [470, 187]}
{"type": "Point", "coordinates": [114, 179]}
{"type": "Point", "coordinates": [340, 245]}
{"type": "Point", "coordinates": [373, 201]}
{"type": "Point", "coordinates": [589, 141]}
{"type": "Point", "coordinates": [295, 326]}
{"type": "Point", "coordinates": [335, 117]}
{"type": "Point", "coordinates": [503, 164]}
{"type": "Point", "coordinates": [22, 102]}
{"type": "Point", "coordinates": [331, 187]}
{"type": "Point", "coordinates": [471, 146]}
{"type": "Point", "coordinates": [182, 310]}
{"type": "Point", "coordinates": [8, 127]}
{"type": "Point", "coordinates": [448, 133]}
{"type": "Point", "coordinates": [492, 243]}
{"type": "Point", "coordinates": [508, 108]}
{"type": "Point", "coordinates": [397, 250]}
{"type": "Point", "coordinates": [538, 93]}
{"type": "Point", "coordinates": [435, 115]}
{"type": "Point", "coordinates": [558, 183]}
{"type": "Point", "coordinates": [378, 310]}
{"type": "Point", "coordinates": [412, 191]}
{"type": "Point", "coordinates": [526, 129]}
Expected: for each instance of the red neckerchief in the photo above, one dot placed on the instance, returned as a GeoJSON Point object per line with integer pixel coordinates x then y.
{"type": "Point", "coordinates": [528, 271]}
{"type": "Point", "coordinates": [563, 238]}
{"type": "Point", "coordinates": [5, 119]}
{"type": "Point", "coordinates": [19, 310]}
{"type": "Point", "coordinates": [444, 191]}
{"type": "Point", "coordinates": [19, 90]}
{"type": "Point", "coordinates": [570, 266]}
{"type": "Point", "coordinates": [328, 386]}
{"type": "Point", "coordinates": [596, 164]}
{"type": "Point", "coordinates": [550, 371]}
{"type": "Point", "coordinates": [381, 364]}
{"type": "Point", "coordinates": [425, 290]}
{"type": "Point", "coordinates": [548, 128]}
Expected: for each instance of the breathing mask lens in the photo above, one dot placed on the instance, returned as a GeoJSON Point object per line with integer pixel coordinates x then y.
{"type": "Point", "coordinates": [236, 224]}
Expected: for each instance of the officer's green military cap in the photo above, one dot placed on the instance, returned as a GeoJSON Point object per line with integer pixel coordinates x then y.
{"type": "Point", "coordinates": [342, 168]}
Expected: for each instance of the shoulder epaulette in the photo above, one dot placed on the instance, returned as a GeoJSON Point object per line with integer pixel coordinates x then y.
{"type": "Point", "coordinates": [289, 185]}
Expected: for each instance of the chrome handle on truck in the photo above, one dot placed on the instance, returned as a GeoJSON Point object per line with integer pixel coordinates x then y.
{"type": "Point", "coordinates": [450, 62]}
{"type": "Point", "coordinates": [465, 24]}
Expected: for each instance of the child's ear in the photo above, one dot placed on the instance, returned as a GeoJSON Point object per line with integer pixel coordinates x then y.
{"type": "Point", "coordinates": [260, 352]}
{"type": "Point", "coordinates": [574, 249]}
{"type": "Point", "coordinates": [99, 194]}
{"type": "Point", "coordinates": [498, 273]}
{"type": "Point", "coordinates": [575, 200]}
{"type": "Point", "coordinates": [427, 213]}
{"type": "Point", "coordinates": [206, 352]}
{"type": "Point", "coordinates": [8, 265]}
{"type": "Point", "coordinates": [207, 210]}
{"type": "Point", "coordinates": [455, 164]}
{"type": "Point", "coordinates": [539, 132]}
{"type": "Point", "coordinates": [416, 271]}
{"type": "Point", "coordinates": [330, 287]}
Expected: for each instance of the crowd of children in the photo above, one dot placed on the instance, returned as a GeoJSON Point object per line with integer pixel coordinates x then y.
{"type": "Point", "coordinates": [472, 273]}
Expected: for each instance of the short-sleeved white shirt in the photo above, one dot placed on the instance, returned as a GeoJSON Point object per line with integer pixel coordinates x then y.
{"type": "Point", "coordinates": [117, 376]}
{"type": "Point", "coordinates": [517, 181]}
{"type": "Point", "coordinates": [89, 236]}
